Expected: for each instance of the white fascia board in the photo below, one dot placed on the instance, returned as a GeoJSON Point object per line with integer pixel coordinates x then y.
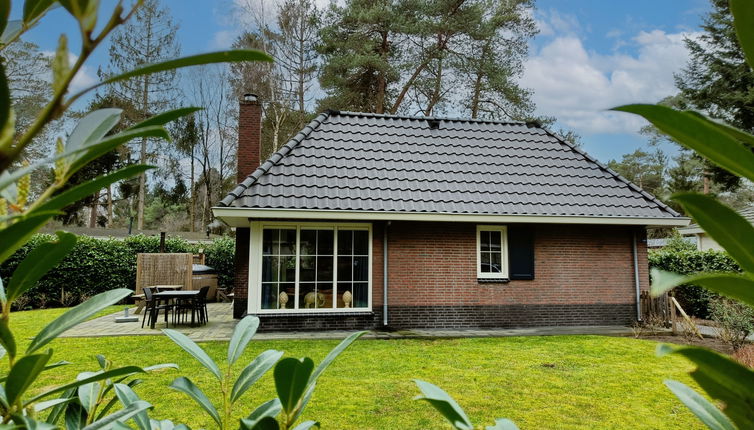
{"type": "Point", "coordinates": [240, 217]}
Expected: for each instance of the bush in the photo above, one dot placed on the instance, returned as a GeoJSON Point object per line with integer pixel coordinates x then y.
{"type": "Point", "coordinates": [694, 300]}
{"type": "Point", "coordinates": [98, 265]}
{"type": "Point", "coordinates": [734, 321]}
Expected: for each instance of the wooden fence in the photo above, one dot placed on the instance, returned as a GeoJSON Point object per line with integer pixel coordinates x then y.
{"type": "Point", "coordinates": [657, 309]}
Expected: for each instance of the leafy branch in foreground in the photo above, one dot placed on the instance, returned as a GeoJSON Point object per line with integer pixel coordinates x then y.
{"type": "Point", "coordinates": [452, 411]}
{"type": "Point", "coordinates": [88, 401]}
{"type": "Point", "coordinates": [720, 377]}
{"type": "Point", "coordinates": [294, 380]}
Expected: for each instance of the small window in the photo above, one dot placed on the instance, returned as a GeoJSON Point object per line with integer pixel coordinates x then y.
{"type": "Point", "coordinates": [492, 252]}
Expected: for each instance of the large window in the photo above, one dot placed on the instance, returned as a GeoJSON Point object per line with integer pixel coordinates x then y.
{"type": "Point", "coordinates": [307, 267]}
{"type": "Point", "coordinates": [492, 252]}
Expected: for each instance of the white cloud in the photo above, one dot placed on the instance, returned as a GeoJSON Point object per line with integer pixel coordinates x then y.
{"type": "Point", "coordinates": [223, 39]}
{"type": "Point", "coordinates": [577, 85]}
{"type": "Point", "coordinates": [84, 78]}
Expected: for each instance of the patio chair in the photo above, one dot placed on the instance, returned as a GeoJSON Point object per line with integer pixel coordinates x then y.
{"type": "Point", "coordinates": [152, 309]}
{"type": "Point", "coordinates": [197, 306]}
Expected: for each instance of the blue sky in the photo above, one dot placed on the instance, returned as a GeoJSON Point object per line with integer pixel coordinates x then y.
{"type": "Point", "coordinates": [590, 55]}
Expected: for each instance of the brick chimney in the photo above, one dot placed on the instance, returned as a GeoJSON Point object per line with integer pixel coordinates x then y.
{"type": "Point", "coordinates": [249, 135]}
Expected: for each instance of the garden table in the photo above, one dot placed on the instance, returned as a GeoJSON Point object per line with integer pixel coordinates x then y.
{"type": "Point", "coordinates": [139, 298]}
{"type": "Point", "coordinates": [177, 295]}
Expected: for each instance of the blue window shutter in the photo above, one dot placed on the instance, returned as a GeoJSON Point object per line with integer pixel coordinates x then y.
{"type": "Point", "coordinates": [520, 251]}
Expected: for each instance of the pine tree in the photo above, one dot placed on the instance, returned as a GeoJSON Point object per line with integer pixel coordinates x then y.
{"type": "Point", "coordinates": [717, 79]}
{"type": "Point", "coordinates": [147, 38]}
{"type": "Point", "coordinates": [427, 56]}
{"type": "Point", "coordinates": [359, 48]}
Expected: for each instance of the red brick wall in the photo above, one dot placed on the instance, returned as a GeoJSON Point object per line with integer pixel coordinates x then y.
{"type": "Point", "coordinates": [434, 264]}
{"type": "Point", "coordinates": [249, 138]}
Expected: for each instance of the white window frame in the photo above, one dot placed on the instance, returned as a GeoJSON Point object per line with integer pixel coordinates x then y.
{"type": "Point", "coordinates": [255, 265]}
{"type": "Point", "coordinates": [503, 248]}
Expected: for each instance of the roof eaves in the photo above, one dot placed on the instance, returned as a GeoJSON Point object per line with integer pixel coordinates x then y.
{"type": "Point", "coordinates": [617, 175]}
{"type": "Point", "coordinates": [274, 159]}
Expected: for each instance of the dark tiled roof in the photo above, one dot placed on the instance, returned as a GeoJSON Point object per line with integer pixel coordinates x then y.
{"type": "Point", "coordinates": [367, 162]}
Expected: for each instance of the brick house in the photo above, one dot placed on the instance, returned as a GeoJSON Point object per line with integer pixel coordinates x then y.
{"type": "Point", "coordinates": [365, 220]}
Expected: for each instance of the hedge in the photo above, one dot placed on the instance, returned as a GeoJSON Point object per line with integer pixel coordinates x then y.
{"type": "Point", "coordinates": [693, 299]}
{"type": "Point", "coordinates": [97, 265]}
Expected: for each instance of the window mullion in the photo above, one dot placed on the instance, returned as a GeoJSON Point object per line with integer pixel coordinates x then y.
{"type": "Point", "coordinates": [335, 268]}
{"type": "Point", "coordinates": [298, 264]}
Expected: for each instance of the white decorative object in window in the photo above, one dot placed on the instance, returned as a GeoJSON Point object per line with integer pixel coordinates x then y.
{"type": "Point", "coordinates": [310, 267]}
{"type": "Point", "coordinates": [492, 252]}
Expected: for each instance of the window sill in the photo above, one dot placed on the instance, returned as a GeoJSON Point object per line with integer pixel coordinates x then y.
{"type": "Point", "coordinates": [493, 280]}
{"type": "Point", "coordinates": [313, 314]}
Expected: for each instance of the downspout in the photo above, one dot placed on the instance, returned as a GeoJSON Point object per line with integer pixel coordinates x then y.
{"type": "Point", "coordinates": [637, 281]}
{"type": "Point", "coordinates": [384, 274]}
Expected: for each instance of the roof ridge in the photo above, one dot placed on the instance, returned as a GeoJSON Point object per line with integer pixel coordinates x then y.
{"type": "Point", "coordinates": [424, 118]}
{"type": "Point", "coordinates": [617, 175]}
{"type": "Point", "coordinates": [275, 158]}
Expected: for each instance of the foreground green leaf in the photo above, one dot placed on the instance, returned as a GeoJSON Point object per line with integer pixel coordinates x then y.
{"type": "Point", "coordinates": [699, 134]}
{"type": "Point", "coordinates": [90, 187]}
{"type": "Point", "coordinates": [23, 373]}
{"type": "Point", "coordinates": [120, 416]}
{"type": "Point", "coordinates": [503, 424]}
{"type": "Point", "coordinates": [443, 403]}
{"type": "Point", "coordinates": [97, 376]}
{"type": "Point", "coordinates": [743, 21]}
{"type": "Point", "coordinates": [242, 335]}
{"type": "Point", "coordinates": [734, 286]}
{"type": "Point", "coordinates": [291, 377]}
{"type": "Point", "coordinates": [723, 379]}
{"type": "Point", "coordinates": [195, 351]}
{"type": "Point", "coordinates": [16, 235]}
{"type": "Point", "coordinates": [76, 316]}
{"type": "Point", "coordinates": [38, 262]}
{"type": "Point", "coordinates": [707, 413]}
{"type": "Point", "coordinates": [229, 56]}
{"type": "Point", "coordinates": [255, 370]}
{"type": "Point", "coordinates": [127, 397]}
{"type": "Point", "coordinates": [165, 117]}
{"type": "Point", "coordinates": [732, 231]}
{"type": "Point", "coordinates": [185, 385]}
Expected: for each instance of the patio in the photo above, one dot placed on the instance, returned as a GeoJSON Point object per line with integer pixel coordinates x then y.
{"type": "Point", "coordinates": [221, 324]}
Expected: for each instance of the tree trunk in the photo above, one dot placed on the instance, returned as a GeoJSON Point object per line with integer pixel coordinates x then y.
{"type": "Point", "coordinates": [93, 211]}
{"type": "Point", "coordinates": [436, 91]}
{"type": "Point", "coordinates": [192, 209]}
{"type": "Point", "coordinates": [109, 206]}
{"type": "Point", "coordinates": [142, 187]}
{"type": "Point", "coordinates": [381, 79]}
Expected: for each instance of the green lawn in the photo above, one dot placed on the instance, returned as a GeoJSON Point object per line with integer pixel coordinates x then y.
{"type": "Point", "coordinates": [556, 382]}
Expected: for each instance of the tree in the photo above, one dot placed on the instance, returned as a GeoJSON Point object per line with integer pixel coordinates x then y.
{"type": "Point", "coordinates": [645, 169]}
{"type": "Point", "coordinates": [186, 137]}
{"type": "Point", "coordinates": [422, 56]}
{"type": "Point", "coordinates": [717, 79]}
{"type": "Point", "coordinates": [107, 163]}
{"type": "Point", "coordinates": [215, 147]}
{"type": "Point", "coordinates": [690, 166]}
{"type": "Point", "coordinates": [148, 38]}
{"type": "Point", "coordinates": [294, 47]}
{"type": "Point", "coordinates": [360, 52]}
{"type": "Point", "coordinates": [26, 68]}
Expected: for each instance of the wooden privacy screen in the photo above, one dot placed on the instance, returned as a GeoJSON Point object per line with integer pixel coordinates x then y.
{"type": "Point", "coordinates": [163, 269]}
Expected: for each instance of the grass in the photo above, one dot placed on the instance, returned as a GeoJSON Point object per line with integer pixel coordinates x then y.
{"type": "Point", "coordinates": [557, 382]}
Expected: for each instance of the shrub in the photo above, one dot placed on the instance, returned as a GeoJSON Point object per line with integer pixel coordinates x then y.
{"type": "Point", "coordinates": [734, 321]}
{"type": "Point", "coordinates": [694, 300]}
{"type": "Point", "coordinates": [97, 265]}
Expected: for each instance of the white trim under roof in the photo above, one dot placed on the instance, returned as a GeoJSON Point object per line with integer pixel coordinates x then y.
{"type": "Point", "coordinates": [239, 217]}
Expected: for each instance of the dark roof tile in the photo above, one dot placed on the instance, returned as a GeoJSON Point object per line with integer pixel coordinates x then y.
{"type": "Point", "coordinates": [369, 162]}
